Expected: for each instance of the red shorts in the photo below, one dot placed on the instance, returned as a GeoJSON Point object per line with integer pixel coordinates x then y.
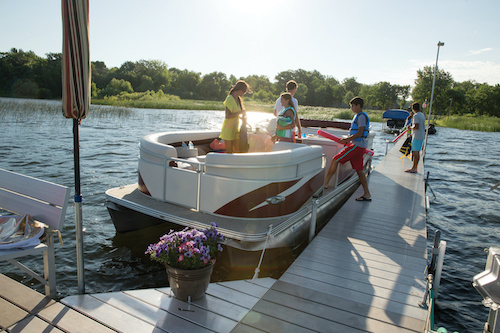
{"type": "Point", "coordinates": [351, 153]}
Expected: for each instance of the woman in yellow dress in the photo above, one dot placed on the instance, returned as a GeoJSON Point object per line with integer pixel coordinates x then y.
{"type": "Point", "coordinates": [234, 108]}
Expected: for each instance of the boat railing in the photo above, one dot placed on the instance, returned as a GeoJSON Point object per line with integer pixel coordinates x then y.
{"type": "Point", "coordinates": [185, 174]}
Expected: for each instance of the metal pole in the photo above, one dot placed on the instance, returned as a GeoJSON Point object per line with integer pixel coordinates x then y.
{"type": "Point", "coordinates": [78, 210]}
{"type": "Point", "coordinates": [449, 110]}
{"type": "Point", "coordinates": [432, 97]}
{"type": "Point", "coordinates": [312, 225]}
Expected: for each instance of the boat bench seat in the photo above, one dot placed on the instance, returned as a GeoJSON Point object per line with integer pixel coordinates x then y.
{"type": "Point", "coordinates": [286, 162]}
{"type": "Point", "coordinates": [160, 144]}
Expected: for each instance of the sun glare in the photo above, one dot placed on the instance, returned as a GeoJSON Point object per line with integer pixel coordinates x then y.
{"type": "Point", "coordinates": [256, 7]}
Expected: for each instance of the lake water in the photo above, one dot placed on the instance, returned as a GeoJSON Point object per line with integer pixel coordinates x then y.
{"type": "Point", "coordinates": [36, 140]}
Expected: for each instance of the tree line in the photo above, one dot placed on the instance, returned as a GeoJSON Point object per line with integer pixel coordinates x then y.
{"type": "Point", "coordinates": [26, 75]}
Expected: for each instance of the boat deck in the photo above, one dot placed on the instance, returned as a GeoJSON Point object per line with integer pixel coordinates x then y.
{"type": "Point", "coordinates": [363, 272]}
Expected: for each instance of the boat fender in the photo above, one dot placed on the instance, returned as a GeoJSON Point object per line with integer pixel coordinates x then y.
{"type": "Point", "coordinates": [337, 139]}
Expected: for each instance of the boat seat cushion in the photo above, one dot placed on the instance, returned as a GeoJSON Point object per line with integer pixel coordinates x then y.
{"type": "Point", "coordinates": [152, 143]}
{"type": "Point", "coordinates": [278, 165]}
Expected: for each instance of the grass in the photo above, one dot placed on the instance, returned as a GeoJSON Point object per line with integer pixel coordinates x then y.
{"type": "Point", "coordinates": [469, 122]}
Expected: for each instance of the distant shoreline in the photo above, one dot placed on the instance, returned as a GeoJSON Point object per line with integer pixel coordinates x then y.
{"type": "Point", "coordinates": [464, 122]}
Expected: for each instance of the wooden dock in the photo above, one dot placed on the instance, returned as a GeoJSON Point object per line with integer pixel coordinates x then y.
{"type": "Point", "coordinates": [364, 272]}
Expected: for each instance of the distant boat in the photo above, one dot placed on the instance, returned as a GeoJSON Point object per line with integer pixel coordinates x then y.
{"type": "Point", "coordinates": [432, 129]}
{"type": "Point", "coordinates": [396, 120]}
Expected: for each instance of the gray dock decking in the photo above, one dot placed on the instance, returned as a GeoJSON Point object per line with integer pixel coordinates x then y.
{"type": "Point", "coordinates": [363, 272]}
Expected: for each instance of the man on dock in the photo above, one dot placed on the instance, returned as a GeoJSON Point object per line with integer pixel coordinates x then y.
{"type": "Point", "coordinates": [354, 148]}
{"type": "Point", "coordinates": [418, 136]}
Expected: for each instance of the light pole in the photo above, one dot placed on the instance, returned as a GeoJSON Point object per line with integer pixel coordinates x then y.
{"type": "Point", "coordinates": [432, 97]}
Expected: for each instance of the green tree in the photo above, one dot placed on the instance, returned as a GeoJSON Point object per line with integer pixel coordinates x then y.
{"type": "Point", "coordinates": [338, 93]}
{"type": "Point", "coordinates": [348, 96]}
{"type": "Point", "coordinates": [457, 96]}
{"type": "Point", "coordinates": [258, 83]}
{"type": "Point", "coordinates": [47, 75]}
{"type": "Point", "coordinates": [25, 88]}
{"type": "Point", "coordinates": [383, 96]}
{"type": "Point", "coordinates": [101, 75]}
{"type": "Point", "coordinates": [146, 83]}
{"type": "Point", "coordinates": [350, 84]}
{"type": "Point", "coordinates": [214, 86]}
{"type": "Point", "coordinates": [484, 100]}
{"type": "Point", "coordinates": [17, 69]}
{"type": "Point", "coordinates": [184, 83]}
{"type": "Point", "coordinates": [423, 88]}
{"type": "Point", "coordinates": [115, 87]}
{"type": "Point", "coordinates": [403, 93]}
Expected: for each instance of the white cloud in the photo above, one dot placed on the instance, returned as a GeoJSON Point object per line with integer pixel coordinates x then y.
{"type": "Point", "coordinates": [481, 51]}
{"type": "Point", "coordinates": [479, 71]}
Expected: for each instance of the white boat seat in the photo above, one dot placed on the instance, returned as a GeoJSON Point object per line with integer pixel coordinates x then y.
{"type": "Point", "coordinates": [278, 165]}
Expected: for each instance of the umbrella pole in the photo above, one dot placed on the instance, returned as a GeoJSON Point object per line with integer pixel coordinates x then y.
{"type": "Point", "coordinates": [78, 209]}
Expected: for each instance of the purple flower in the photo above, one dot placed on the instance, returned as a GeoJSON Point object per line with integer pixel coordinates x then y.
{"type": "Point", "coordinates": [187, 249]}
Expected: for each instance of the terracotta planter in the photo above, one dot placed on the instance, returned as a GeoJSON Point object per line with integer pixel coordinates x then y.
{"type": "Point", "coordinates": [189, 283]}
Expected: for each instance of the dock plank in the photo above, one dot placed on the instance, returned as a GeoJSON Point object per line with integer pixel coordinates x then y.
{"type": "Point", "coordinates": [118, 320]}
{"type": "Point", "coordinates": [39, 307]}
{"type": "Point", "coordinates": [156, 310]}
{"type": "Point", "coordinates": [345, 305]}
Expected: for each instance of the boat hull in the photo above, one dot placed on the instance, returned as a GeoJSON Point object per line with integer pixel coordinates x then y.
{"type": "Point", "coordinates": [131, 210]}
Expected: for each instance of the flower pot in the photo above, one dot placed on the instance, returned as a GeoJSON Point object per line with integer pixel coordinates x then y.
{"type": "Point", "coordinates": [189, 283]}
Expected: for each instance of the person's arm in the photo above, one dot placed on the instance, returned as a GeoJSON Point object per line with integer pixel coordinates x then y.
{"type": "Point", "coordinates": [230, 114]}
{"type": "Point", "coordinates": [356, 135]}
{"type": "Point", "coordinates": [291, 126]}
{"type": "Point", "coordinates": [299, 126]}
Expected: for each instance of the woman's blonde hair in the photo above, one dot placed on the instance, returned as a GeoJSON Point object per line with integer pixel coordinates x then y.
{"type": "Point", "coordinates": [240, 85]}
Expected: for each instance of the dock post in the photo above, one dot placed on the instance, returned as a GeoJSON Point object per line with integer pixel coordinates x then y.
{"type": "Point", "coordinates": [312, 225]}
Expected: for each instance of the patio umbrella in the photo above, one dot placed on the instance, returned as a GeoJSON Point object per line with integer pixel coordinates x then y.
{"type": "Point", "coordinates": [76, 97]}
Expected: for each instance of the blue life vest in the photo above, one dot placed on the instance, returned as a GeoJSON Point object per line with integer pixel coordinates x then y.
{"type": "Point", "coordinates": [354, 126]}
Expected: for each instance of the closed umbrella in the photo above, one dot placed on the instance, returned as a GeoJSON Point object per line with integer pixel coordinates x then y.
{"type": "Point", "coordinates": [76, 97]}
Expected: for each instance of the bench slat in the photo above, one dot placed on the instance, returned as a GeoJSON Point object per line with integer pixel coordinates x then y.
{"type": "Point", "coordinates": [40, 211]}
{"type": "Point", "coordinates": [44, 201]}
{"type": "Point", "coordinates": [35, 188]}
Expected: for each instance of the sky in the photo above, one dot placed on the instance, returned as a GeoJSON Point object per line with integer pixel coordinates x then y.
{"type": "Point", "coordinates": [371, 40]}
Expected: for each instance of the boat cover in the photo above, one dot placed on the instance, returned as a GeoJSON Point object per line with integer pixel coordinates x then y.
{"type": "Point", "coordinates": [396, 114]}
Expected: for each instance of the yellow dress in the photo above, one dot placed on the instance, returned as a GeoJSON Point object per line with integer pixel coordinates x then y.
{"type": "Point", "coordinates": [230, 126]}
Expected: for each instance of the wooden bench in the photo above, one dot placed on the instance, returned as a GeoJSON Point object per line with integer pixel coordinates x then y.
{"type": "Point", "coordinates": [45, 202]}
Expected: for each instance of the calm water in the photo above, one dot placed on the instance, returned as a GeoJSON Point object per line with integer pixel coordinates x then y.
{"type": "Point", "coordinates": [36, 140]}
